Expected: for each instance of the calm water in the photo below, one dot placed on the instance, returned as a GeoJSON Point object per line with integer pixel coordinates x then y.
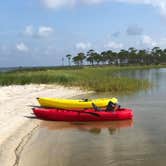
{"type": "Point", "coordinates": [127, 143]}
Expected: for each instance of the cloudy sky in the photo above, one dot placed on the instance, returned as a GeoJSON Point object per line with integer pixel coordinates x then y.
{"type": "Point", "coordinates": [41, 32]}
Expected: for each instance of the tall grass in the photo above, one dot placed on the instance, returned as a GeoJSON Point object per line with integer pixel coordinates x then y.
{"type": "Point", "coordinates": [100, 79]}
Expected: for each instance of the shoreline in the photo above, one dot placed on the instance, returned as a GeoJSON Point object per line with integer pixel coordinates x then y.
{"type": "Point", "coordinates": [15, 121]}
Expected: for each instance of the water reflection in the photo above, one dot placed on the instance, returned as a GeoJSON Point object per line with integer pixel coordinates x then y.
{"type": "Point", "coordinates": [91, 127]}
{"type": "Point", "coordinates": [157, 77]}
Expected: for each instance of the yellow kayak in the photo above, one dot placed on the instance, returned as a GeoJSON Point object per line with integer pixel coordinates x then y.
{"type": "Point", "coordinates": [74, 103]}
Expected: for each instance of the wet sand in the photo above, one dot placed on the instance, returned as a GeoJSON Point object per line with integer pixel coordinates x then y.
{"type": "Point", "coordinates": [16, 120]}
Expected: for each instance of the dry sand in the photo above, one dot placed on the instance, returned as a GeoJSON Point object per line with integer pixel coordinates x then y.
{"type": "Point", "coordinates": [14, 110]}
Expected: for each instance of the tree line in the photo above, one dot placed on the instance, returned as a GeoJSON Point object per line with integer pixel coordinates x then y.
{"type": "Point", "coordinates": [131, 56]}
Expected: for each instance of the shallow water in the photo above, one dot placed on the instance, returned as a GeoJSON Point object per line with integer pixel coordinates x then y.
{"type": "Point", "coordinates": [138, 142]}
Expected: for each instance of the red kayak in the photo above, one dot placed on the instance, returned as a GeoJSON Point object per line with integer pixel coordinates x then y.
{"type": "Point", "coordinates": [87, 115]}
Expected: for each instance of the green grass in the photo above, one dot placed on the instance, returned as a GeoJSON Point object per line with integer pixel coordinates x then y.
{"type": "Point", "coordinates": [99, 79]}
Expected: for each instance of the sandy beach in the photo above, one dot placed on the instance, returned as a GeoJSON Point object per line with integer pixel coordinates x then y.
{"type": "Point", "coordinates": [15, 109]}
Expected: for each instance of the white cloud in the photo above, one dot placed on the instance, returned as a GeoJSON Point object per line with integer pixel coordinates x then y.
{"type": "Point", "coordinates": [65, 3]}
{"type": "Point", "coordinates": [83, 46]}
{"type": "Point", "coordinates": [162, 43]}
{"type": "Point", "coordinates": [29, 30]}
{"type": "Point", "coordinates": [148, 41]}
{"type": "Point", "coordinates": [160, 4]}
{"type": "Point", "coordinates": [54, 4]}
{"type": "Point", "coordinates": [22, 47]}
{"type": "Point", "coordinates": [113, 45]}
{"type": "Point", "coordinates": [58, 3]}
{"type": "Point", "coordinates": [44, 31]}
{"type": "Point", "coordinates": [93, 1]}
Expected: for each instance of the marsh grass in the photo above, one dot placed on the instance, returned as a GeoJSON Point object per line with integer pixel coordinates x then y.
{"type": "Point", "coordinates": [99, 79]}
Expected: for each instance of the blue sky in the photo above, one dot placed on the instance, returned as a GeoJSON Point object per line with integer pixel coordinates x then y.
{"type": "Point", "coordinates": [41, 32]}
